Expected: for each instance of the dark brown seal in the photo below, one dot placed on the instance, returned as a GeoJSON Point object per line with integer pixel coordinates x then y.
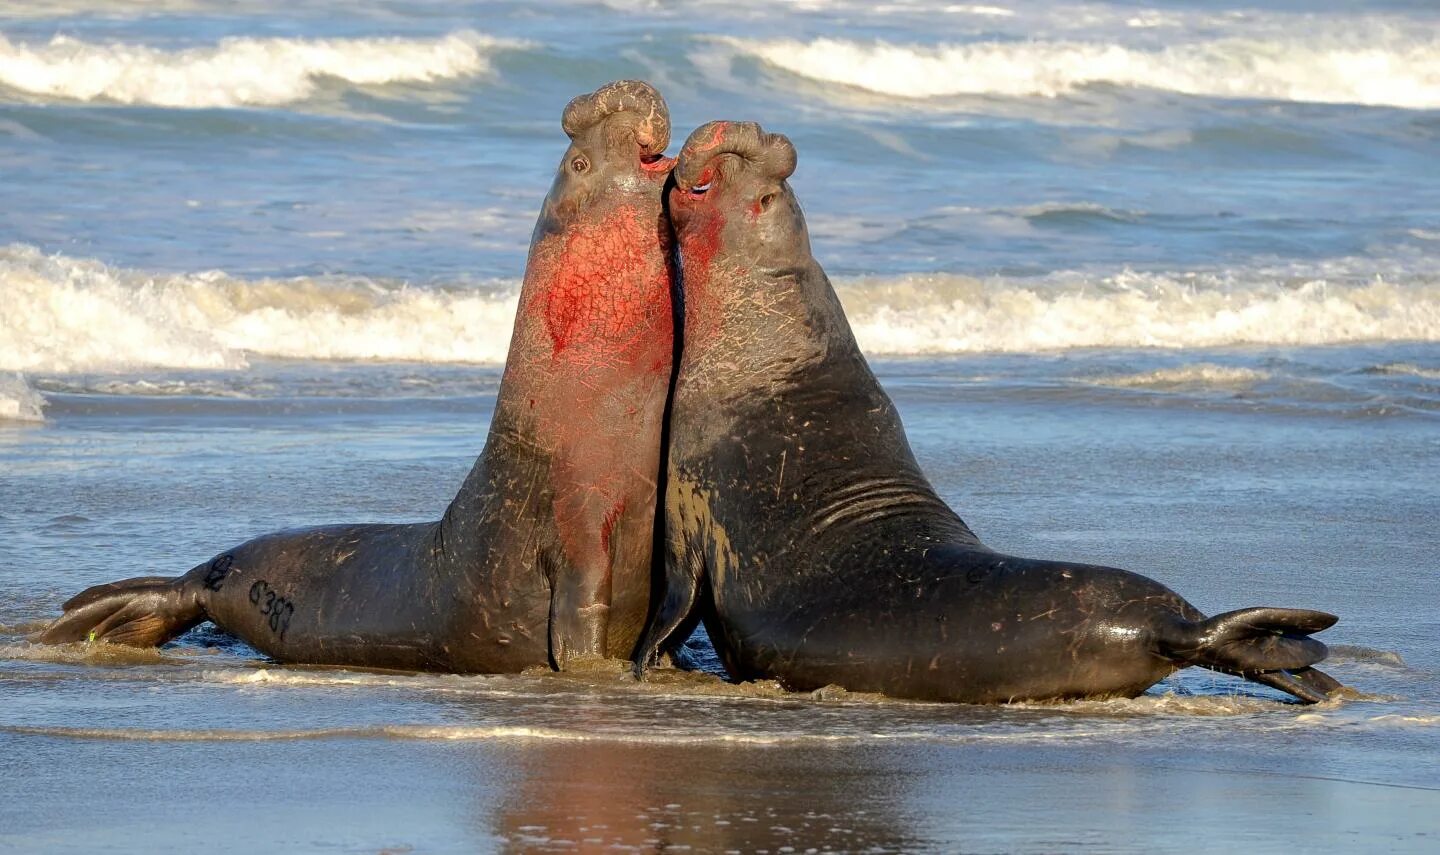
{"type": "Point", "coordinates": [800, 528]}
{"type": "Point", "coordinates": [545, 554]}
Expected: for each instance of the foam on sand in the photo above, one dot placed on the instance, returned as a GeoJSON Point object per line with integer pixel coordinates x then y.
{"type": "Point", "coordinates": [237, 71]}
{"type": "Point", "coordinates": [1389, 66]}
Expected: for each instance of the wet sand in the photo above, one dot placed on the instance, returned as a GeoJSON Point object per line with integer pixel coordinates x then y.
{"type": "Point", "coordinates": [377, 795]}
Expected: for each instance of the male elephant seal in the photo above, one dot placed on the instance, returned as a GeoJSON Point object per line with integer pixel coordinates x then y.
{"type": "Point", "coordinates": [545, 554]}
{"type": "Point", "coordinates": [800, 527]}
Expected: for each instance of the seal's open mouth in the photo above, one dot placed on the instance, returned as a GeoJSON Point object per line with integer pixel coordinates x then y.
{"type": "Point", "coordinates": [656, 163]}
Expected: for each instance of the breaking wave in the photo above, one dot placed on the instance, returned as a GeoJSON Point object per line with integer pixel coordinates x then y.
{"type": "Point", "coordinates": [19, 402]}
{"type": "Point", "coordinates": [236, 71]}
{"type": "Point", "coordinates": [1203, 374]}
{"type": "Point", "coordinates": [1379, 66]}
{"type": "Point", "coordinates": [67, 315]}
{"type": "Point", "coordinates": [72, 315]}
{"type": "Point", "coordinates": [943, 313]}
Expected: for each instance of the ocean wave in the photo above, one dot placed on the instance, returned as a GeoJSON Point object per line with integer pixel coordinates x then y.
{"type": "Point", "coordinates": [68, 315]}
{"type": "Point", "coordinates": [945, 313]}
{"type": "Point", "coordinates": [18, 401]}
{"type": "Point", "coordinates": [1061, 212]}
{"type": "Point", "coordinates": [1204, 374]}
{"type": "Point", "coordinates": [1404, 369]}
{"type": "Point", "coordinates": [236, 71]}
{"type": "Point", "coordinates": [73, 315]}
{"type": "Point", "coordinates": [1387, 66]}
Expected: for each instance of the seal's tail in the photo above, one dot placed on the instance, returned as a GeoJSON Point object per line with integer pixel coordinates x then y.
{"type": "Point", "coordinates": [143, 612]}
{"type": "Point", "coordinates": [1266, 645]}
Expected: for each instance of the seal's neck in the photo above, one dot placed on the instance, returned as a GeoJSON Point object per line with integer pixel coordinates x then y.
{"type": "Point", "coordinates": [589, 364]}
{"type": "Point", "coordinates": [747, 324]}
{"type": "Point", "coordinates": [596, 297]}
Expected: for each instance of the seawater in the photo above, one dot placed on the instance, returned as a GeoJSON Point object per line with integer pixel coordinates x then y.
{"type": "Point", "coordinates": [1153, 286]}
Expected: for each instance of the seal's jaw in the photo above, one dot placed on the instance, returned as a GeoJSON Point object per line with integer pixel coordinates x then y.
{"type": "Point", "coordinates": [656, 165]}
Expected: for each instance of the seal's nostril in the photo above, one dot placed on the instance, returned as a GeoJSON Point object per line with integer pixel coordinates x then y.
{"type": "Point", "coordinates": [650, 158]}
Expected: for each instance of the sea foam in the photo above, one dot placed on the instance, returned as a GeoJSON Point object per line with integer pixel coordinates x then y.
{"type": "Point", "coordinates": [946, 313]}
{"type": "Point", "coordinates": [1387, 66]}
{"type": "Point", "coordinates": [65, 315]}
{"type": "Point", "coordinates": [236, 71]}
{"type": "Point", "coordinates": [19, 402]}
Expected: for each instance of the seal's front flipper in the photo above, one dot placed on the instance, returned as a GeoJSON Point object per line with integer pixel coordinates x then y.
{"type": "Point", "coordinates": [677, 602]}
{"type": "Point", "coordinates": [576, 631]}
{"type": "Point", "coordinates": [1267, 645]}
{"type": "Point", "coordinates": [143, 612]}
{"type": "Point", "coordinates": [579, 610]}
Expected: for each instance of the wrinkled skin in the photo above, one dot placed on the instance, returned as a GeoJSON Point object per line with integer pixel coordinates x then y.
{"type": "Point", "coordinates": [545, 553]}
{"type": "Point", "coordinates": [800, 528]}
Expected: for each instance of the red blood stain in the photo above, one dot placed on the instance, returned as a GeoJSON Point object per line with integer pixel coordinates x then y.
{"type": "Point", "coordinates": [700, 242]}
{"type": "Point", "coordinates": [717, 136]}
{"type": "Point", "coordinates": [597, 330]}
{"type": "Point", "coordinates": [608, 525]}
{"type": "Point", "coordinates": [609, 285]}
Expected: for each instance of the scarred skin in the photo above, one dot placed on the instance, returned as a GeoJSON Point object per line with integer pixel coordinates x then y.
{"type": "Point", "coordinates": [799, 527]}
{"type": "Point", "coordinates": [545, 553]}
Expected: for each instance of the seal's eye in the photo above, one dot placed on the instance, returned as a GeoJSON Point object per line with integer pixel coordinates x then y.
{"type": "Point", "coordinates": [579, 164]}
{"type": "Point", "coordinates": [766, 201]}
{"type": "Point", "coordinates": [700, 189]}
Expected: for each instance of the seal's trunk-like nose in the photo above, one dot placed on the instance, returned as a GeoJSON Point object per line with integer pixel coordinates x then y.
{"type": "Point", "coordinates": [641, 107]}
{"type": "Point", "coordinates": [772, 153]}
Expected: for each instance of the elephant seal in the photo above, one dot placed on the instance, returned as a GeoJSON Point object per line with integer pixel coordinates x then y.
{"type": "Point", "coordinates": [545, 553]}
{"type": "Point", "coordinates": [800, 528]}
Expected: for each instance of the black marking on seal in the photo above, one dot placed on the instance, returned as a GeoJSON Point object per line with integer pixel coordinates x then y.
{"type": "Point", "coordinates": [219, 569]}
{"type": "Point", "coordinates": [271, 605]}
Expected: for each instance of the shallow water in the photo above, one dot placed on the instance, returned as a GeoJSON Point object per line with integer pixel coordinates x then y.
{"type": "Point", "coordinates": [1152, 287]}
{"type": "Point", "coordinates": [1230, 505]}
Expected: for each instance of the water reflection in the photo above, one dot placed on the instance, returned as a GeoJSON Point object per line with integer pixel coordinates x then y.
{"type": "Point", "coordinates": [667, 798]}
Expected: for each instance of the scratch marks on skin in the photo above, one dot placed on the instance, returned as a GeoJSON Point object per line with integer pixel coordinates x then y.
{"type": "Point", "coordinates": [766, 303]}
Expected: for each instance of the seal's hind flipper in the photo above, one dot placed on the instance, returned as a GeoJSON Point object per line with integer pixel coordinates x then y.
{"type": "Point", "coordinates": [143, 612]}
{"type": "Point", "coordinates": [1266, 645]}
{"type": "Point", "coordinates": [1307, 684]}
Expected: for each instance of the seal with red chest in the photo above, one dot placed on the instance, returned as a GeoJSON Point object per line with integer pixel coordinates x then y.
{"type": "Point", "coordinates": [545, 553]}
{"type": "Point", "coordinates": [799, 527]}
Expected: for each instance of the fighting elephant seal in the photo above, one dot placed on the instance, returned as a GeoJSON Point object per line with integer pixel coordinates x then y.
{"type": "Point", "coordinates": [545, 553]}
{"type": "Point", "coordinates": [799, 526]}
